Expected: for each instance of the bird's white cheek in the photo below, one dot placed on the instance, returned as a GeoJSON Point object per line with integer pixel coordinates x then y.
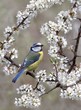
{"type": "Point", "coordinates": [36, 49]}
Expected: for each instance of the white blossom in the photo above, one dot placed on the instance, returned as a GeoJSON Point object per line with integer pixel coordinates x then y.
{"type": "Point", "coordinates": [51, 79]}
{"type": "Point", "coordinates": [25, 16]}
{"type": "Point", "coordinates": [7, 31]}
{"type": "Point", "coordinates": [62, 41]}
{"type": "Point", "coordinates": [45, 4]}
{"type": "Point", "coordinates": [69, 79]}
{"type": "Point", "coordinates": [53, 39]}
{"type": "Point", "coordinates": [9, 69]}
{"type": "Point", "coordinates": [24, 89]}
{"type": "Point", "coordinates": [6, 45]}
{"type": "Point", "coordinates": [28, 97]}
{"type": "Point", "coordinates": [50, 27]}
{"type": "Point", "coordinates": [62, 77]}
{"type": "Point", "coordinates": [53, 50]}
{"type": "Point", "coordinates": [41, 75]}
{"type": "Point", "coordinates": [32, 9]}
{"type": "Point", "coordinates": [64, 19]}
{"type": "Point", "coordinates": [40, 90]}
{"type": "Point", "coordinates": [51, 76]}
{"type": "Point", "coordinates": [8, 42]}
{"type": "Point", "coordinates": [13, 53]}
{"type": "Point", "coordinates": [74, 76]}
{"type": "Point", "coordinates": [2, 55]}
{"type": "Point", "coordinates": [73, 92]}
{"type": "Point", "coordinates": [28, 101]}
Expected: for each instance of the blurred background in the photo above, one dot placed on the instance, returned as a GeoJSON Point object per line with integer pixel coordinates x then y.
{"type": "Point", "coordinates": [24, 39]}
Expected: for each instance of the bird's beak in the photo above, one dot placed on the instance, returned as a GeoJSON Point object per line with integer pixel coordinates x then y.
{"type": "Point", "coordinates": [42, 45]}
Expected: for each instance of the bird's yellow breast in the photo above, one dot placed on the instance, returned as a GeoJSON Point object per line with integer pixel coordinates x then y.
{"type": "Point", "coordinates": [41, 56]}
{"type": "Point", "coordinates": [36, 64]}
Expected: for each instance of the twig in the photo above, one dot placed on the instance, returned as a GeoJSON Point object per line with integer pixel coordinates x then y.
{"type": "Point", "coordinates": [78, 81]}
{"type": "Point", "coordinates": [75, 51]}
{"type": "Point", "coordinates": [57, 85]}
{"type": "Point", "coordinates": [79, 19]}
{"type": "Point", "coordinates": [36, 86]}
{"type": "Point", "coordinates": [13, 63]}
{"type": "Point", "coordinates": [16, 27]}
{"type": "Point", "coordinates": [31, 74]}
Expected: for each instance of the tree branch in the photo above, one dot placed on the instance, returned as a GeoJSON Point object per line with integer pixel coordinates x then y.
{"type": "Point", "coordinates": [64, 87]}
{"type": "Point", "coordinates": [36, 86]}
{"type": "Point", "coordinates": [75, 51]}
{"type": "Point", "coordinates": [12, 62]}
{"type": "Point", "coordinates": [57, 85]}
{"type": "Point", "coordinates": [16, 27]}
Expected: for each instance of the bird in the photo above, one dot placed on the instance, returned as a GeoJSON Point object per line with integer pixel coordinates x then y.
{"type": "Point", "coordinates": [32, 60]}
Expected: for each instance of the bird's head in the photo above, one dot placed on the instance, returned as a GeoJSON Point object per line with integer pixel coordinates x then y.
{"type": "Point", "coordinates": [37, 47]}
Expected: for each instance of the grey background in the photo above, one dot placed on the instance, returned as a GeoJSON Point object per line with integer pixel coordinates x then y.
{"type": "Point", "coordinates": [24, 39]}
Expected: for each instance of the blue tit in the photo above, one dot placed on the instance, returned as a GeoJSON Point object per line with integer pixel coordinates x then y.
{"type": "Point", "coordinates": [32, 60]}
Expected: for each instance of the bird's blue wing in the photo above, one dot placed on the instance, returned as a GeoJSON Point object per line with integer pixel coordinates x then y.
{"type": "Point", "coordinates": [18, 75]}
{"type": "Point", "coordinates": [30, 59]}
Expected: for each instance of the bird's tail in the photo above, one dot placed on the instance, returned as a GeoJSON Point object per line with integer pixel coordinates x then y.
{"type": "Point", "coordinates": [18, 75]}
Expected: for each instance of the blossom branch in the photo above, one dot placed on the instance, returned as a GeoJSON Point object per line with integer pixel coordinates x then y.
{"type": "Point", "coordinates": [12, 62]}
{"type": "Point", "coordinates": [75, 51]}
{"type": "Point", "coordinates": [57, 85]}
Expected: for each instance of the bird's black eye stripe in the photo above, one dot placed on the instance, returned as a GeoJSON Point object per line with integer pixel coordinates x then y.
{"type": "Point", "coordinates": [37, 46]}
